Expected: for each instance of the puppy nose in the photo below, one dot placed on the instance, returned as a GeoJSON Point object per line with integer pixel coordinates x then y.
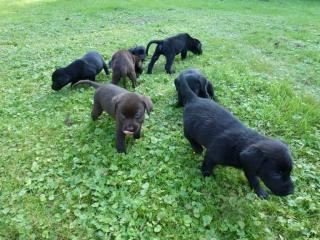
{"type": "Point", "coordinates": [130, 128]}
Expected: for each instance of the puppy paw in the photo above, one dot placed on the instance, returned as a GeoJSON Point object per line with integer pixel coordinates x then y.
{"type": "Point", "coordinates": [262, 194]}
{"type": "Point", "coordinates": [121, 150]}
{"type": "Point", "coordinates": [198, 150]}
{"type": "Point", "coordinates": [205, 172]}
{"type": "Point", "coordinates": [136, 136]}
{"type": "Point", "coordinates": [149, 72]}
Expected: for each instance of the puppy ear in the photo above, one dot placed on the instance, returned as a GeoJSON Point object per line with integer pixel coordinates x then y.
{"type": "Point", "coordinates": [251, 158]}
{"type": "Point", "coordinates": [147, 104]}
{"type": "Point", "coordinates": [285, 143]}
{"type": "Point", "coordinates": [199, 45]}
{"type": "Point", "coordinates": [137, 61]}
{"type": "Point", "coordinates": [203, 82]}
{"type": "Point", "coordinates": [115, 102]}
{"type": "Point", "coordinates": [209, 89]}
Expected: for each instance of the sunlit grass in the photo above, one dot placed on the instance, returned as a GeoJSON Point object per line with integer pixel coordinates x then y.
{"type": "Point", "coordinates": [63, 181]}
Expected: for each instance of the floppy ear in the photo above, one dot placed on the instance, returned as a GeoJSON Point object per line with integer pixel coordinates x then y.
{"type": "Point", "coordinates": [251, 158]}
{"type": "Point", "coordinates": [115, 102]}
{"type": "Point", "coordinates": [209, 89]}
{"type": "Point", "coordinates": [203, 82]}
{"type": "Point", "coordinates": [147, 104]}
{"type": "Point", "coordinates": [199, 45]}
{"type": "Point", "coordinates": [139, 62]}
{"type": "Point", "coordinates": [285, 143]}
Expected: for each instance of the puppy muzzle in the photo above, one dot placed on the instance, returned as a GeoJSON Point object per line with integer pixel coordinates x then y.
{"type": "Point", "coordinates": [128, 132]}
{"type": "Point", "coordinates": [54, 87]}
{"type": "Point", "coordinates": [287, 189]}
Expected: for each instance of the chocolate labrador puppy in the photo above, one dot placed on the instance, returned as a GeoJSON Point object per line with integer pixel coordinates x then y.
{"type": "Point", "coordinates": [139, 51]}
{"type": "Point", "coordinates": [126, 107]}
{"type": "Point", "coordinates": [86, 67]}
{"type": "Point", "coordinates": [198, 83]}
{"type": "Point", "coordinates": [125, 64]}
{"type": "Point", "coordinates": [231, 143]}
{"type": "Point", "coordinates": [172, 46]}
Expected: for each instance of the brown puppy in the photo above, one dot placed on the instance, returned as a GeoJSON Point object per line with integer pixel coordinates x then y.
{"type": "Point", "coordinates": [125, 64]}
{"type": "Point", "coordinates": [126, 107]}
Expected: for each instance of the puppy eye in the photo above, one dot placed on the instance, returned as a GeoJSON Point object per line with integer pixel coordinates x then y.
{"type": "Point", "coordinates": [123, 117]}
{"type": "Point", "coordinates": [137, 115]}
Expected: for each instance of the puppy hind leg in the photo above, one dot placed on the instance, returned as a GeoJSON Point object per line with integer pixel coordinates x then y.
{"type": "Point", "coordinates": [132, 76]}
{"type": "Point", "coordinates": [195, 146]}
{"type": "Point", "coordinates": [115, 78]}
{"type": "Point", "coordinates": [96, 110]}
{"type": "Point", "coordinates": [215, 155]}
{"type": "Point", "coordinates": [154, 58]}
{"type": "Point", "coordinates": [208, 164]}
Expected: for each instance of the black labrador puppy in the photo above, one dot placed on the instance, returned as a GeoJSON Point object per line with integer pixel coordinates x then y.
{"type": "Point", "coordinates": [139, 51]}
{"type": "Point", "coordinates": [86, 67]}
{"type": "Point", "coordinates": [231, 143]}
{"type": "Point", "coordinates": [198, 83]}
{"type": "Point", "coordinates": [172, 46]}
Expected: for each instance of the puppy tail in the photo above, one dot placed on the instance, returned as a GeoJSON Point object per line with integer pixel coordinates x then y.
{"type": "Point", "coordinates": [186, 93]}
{"type": "Point", "coordinates": [88, 82]}
{"type": "Point", "coordinates": [151, 42]}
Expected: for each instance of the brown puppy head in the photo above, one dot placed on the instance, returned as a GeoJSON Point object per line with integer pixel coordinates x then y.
{"type": "Point", "coordinates": [271, 161]}
{"type": "Point", "coordinates": [129, 111]}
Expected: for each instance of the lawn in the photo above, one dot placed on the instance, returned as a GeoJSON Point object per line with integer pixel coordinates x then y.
{"type": "Point", "coordinates": [60, 175]}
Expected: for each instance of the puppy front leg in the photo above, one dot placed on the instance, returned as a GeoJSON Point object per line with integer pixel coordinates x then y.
{"type": "Point", "coordinates": [115, 78]}
{"type": "Point", "coordinates": [169, 63]}
{"type": "Point", "coordinates": [254, 183]}
{"type": "Point", "coordinates": [183, 54]}
{"type": "Point", "coordinates": [120, 141]}
{"type": "Point", "coordinates": [137, 134]}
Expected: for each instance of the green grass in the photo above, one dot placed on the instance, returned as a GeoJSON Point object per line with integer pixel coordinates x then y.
{"type": "Point", "coordinates": [68, 182]}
